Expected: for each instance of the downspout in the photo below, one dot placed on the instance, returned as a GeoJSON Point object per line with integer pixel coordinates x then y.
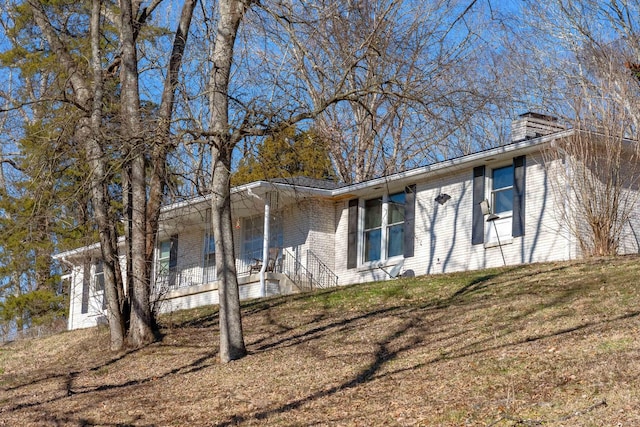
{"type": "Point", "coordinates": [265, 245]}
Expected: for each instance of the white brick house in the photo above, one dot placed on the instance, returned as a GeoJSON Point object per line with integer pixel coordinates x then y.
{"type": "Point", "coordinates": [424, 221]}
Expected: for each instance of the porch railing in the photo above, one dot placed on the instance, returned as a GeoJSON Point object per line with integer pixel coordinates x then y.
{"type": "Point", "coordinates": [298, 273]}
{"type": "Point", "coordinates": [323, 276]}
{"type": "Point", "coordinates": [181, 277]}
{"type": "Point", "coordinates": [315, 274]}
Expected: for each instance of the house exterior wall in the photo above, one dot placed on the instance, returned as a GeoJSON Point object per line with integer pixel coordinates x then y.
{"type": "Point", "coordinates": [630, 235]}
{"type": "Point", "coordinates": [310, 226]}
{"type": "Point", "coordinates": [322, 231]}
{"type": "Point", "coordinates": [443, 232]}
{"type": "Point", "coordinates": [318, 222]}
{"type": "Point", "coordinates": [95, 314]}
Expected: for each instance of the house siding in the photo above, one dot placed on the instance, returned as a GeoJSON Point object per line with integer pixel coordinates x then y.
{"type": "Point", "coordinates": [310, 226]}
{"type": "Point", "coordinates": [443, 232]}
{"type": "Point", "coordinates": [95, 314]}
{"type": "Point", "coordinates": [317, 221]}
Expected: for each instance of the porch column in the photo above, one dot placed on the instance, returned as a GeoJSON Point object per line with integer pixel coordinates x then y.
{"type": "Point", "coordinates": [265, 244]}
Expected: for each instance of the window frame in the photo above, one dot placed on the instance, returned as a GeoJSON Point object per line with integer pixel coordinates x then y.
{"type": "Point", "coordinates": [97, 276]}
{"type": "Point", "coordinates": [161, 269]}
{"type": "Point", "coordinates": [494, 192]}
{"type": "Point", "coordinates": [276, 235]}
{"type": "Point", "coordinates": [166, 267]}
{"type": "Point", "coordinates": [499, 231]}
{"type": "Point", "coordinates": [385, 228]}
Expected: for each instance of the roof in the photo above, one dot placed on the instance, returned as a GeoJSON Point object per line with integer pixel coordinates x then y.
{"type": "Point", "coordinates": [252, 195]}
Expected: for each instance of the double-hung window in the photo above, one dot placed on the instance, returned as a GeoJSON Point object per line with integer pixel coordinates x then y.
{"type": "Point", "coordinates": [395, 224]}
{"type": "Point", "coordinates": [506, 197]}
{"type": "Point", "coordinates": [164, 255]}
{"type": "Point", "coordinates": [502, 190]}
{"type": "Point", "coordinates": [253, 236]}
{"type": "Point", "coordinates": [381, 228]}
{"type": "Point", "coordinates": [98, 276]}
{"type": "Point", "coordinates": [372, 229]}
{"type": "Point", "coordinates": [383, 231]}
{"type": "Point", "coordinates": [98, 281]}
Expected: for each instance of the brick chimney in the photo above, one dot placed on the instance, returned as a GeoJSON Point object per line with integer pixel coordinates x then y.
{"type": "Point", "coordinates": [533, 125]}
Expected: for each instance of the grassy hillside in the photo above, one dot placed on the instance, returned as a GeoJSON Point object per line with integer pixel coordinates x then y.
{"type": "Point", "coordinates": [546, 344]}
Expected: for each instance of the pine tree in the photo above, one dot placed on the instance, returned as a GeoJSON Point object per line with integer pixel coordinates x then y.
{"type": "Point", "coordinates": [287, 154]}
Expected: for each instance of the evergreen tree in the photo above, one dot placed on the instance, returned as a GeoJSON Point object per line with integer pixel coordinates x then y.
{"type": "Point", "coordinates": [287, 154]}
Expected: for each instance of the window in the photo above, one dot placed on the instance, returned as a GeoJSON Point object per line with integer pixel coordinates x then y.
{"type": "Point", "coordinates": [164, 257]}
{"type": "Point", "coordinates": [506, 196]}
{"type": "Point", "coordinates": [253, 236]}
{"type": "Point", "coordinates": [383, 230]}
{"type": "Point", "coordinates": [167, 261]}
{"type": "Point", "coordinates": [98, 276]}
{"type": "Point", "coordinates": [395, 225]}
{"type": "Point", "coordinates": [98, 281]}
{"type": "Point", "coordinates": [372, 229]}
{"type": "Point", "coordinates": [502, 190]}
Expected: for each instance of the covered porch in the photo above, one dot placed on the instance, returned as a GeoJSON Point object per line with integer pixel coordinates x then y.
{"type": "Point", "coordinates": [271, 256]}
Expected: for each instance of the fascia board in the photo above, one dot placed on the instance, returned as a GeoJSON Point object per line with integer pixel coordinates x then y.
{"type": "Point", "coordinates": [77, 252]}
{"type": "Point", "coordinates": [452, 165]}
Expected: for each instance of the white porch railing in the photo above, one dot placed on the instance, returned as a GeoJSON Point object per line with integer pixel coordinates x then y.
{"type": "Point", "coordinates": [314, 274]}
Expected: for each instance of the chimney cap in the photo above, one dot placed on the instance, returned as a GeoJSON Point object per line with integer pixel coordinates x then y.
{"type": "Point", "coordinates": [540, 116]}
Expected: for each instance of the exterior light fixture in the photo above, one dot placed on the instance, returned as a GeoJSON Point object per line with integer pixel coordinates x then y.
{"type": "Point", "coordinates": [442, 198]}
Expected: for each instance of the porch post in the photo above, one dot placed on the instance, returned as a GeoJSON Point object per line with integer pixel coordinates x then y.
{"type": "Point", "coordinates": [265, 244]}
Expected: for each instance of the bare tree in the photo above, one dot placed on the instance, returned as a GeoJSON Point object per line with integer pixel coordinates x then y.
{"type": "Point", "coordinates": [581, 68]}
{"type": "Point", "coordinates": [414, 66]}
{"type": "Point", "coordinates": [275, 64]}
{"type": "Point", "coordinates": [596, 179]}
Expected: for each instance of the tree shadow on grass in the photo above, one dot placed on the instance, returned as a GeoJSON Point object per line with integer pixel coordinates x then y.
{"type": "Point", "coordinates": [411, 331]}
{"type": "Point", "coordinates": [202, 362]}
{"type": "Point", "coordinates": [382, 356]}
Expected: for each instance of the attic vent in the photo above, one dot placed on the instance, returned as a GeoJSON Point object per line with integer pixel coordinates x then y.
{"type": "Point", "coordinates": [533, 125]}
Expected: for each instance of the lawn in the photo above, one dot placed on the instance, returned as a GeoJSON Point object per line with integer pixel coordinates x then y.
{"type": "Point", "coordinates": [543, 344]}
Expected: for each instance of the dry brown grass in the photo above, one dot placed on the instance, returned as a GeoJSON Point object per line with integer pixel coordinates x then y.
{"type": "Point", "coordinates": [547, 344]}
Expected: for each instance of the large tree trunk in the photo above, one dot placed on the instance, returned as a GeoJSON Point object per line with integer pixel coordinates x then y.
{"type": "Point", "coordinates": [231, 337]}
{"type": "Point", "coordinates": [99, 198]}
{"type": "Point", "coordinates": [142, 322]}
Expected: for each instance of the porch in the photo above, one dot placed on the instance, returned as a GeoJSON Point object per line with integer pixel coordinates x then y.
{"type": "Point", "coordinates": [192, 285]}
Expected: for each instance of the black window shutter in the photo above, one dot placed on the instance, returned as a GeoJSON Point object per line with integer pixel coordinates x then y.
{"type": "Point", "coordinates": [352, 234]}
{"type": "Point", "coordinates": [173, 260]}
{"type": "Point", "coordinates": [519, 167]}
{"type": "Point", "coordinates": [477, 231]}
{"type": "Point", "coordinates": [173, 253]}
{"type": "Point", "coordinates": [409, 220]}
{"type": "Point", "coordinates": [86, 281]}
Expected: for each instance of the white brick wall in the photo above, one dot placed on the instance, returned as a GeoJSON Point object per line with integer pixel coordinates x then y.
{"type": "Point", "coordinates": [442, 238]}
{"type": "Point", "coordinates": [95, 314]}
{"type": "Point", "coordinates": [443, 232]}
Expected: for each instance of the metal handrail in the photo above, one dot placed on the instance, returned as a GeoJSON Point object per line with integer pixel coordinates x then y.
{"type": "Point", "coordinates": [315, 274]}
{"type": "Point", "coordinates": [323, 276]}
